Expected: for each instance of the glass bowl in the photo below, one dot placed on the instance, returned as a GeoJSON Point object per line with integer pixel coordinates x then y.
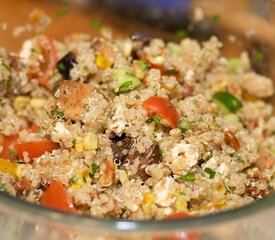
{"type": "Point", "coordinates": [239, 24]}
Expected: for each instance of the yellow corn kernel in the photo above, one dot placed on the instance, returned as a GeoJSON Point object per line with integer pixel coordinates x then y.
{"type": "Point", "coordinates": [20, 102]}
{"type": "Point", "coordinates": [180, 203]}
{"type": "Point", "coordinates": [248, 97]}
{"type": "Point", "coordinates": [90, 142]}
{"type": "Point", "coordinates": [37, 102]}
{"type": "Point", "coordinates": [78, 146]}
{"type": "Point", "coordinates": [19, 171]}
{"type": "Point", "coordinates": [102, 62]}
{"type": "Point", "coordinates": [75, 186]}
{"type": "Point", "coordinates": [7, 167]}
{"type": "Point", "coordinates": [218, 86]}
{"type": "Point", "coordinates": [148, 200]}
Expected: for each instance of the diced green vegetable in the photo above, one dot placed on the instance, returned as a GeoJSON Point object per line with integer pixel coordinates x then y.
{"type": "Point", "coordinates": [2, 187]}
{"type": "Point", "coordinates": [259, 56]}
{"type": "Point", "coordinates": [126, 80]}
{"type": "Point", "coordinates": [231, 117]}
{"type": "Point", "coordinates": [233, 64]}
{"type": "Point", "coordinates": [189, 177]}
{"type": "Point", "coordinates": [231, 103]}
{"type": "Point", "coordinates": [183, 125]}
{"type": "Point", "coordinates": [61, 67]}
{"type": "Point", "coordinates": [211, 172]}
{"type": "Point", "coordinates": [57, 113]}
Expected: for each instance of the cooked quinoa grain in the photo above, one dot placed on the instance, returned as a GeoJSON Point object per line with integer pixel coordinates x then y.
{"type": "Point", "coordinates": [133, 129]}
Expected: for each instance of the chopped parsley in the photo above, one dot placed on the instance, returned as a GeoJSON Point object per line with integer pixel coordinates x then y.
{"type": "Point", "coordinates": [4, 65]}
{"type": "Point", "coordinates": [61, 67]}
{"type": "Point", "coordinates": [57, 113]}
{"type": "Point", "coordinates": [184, 125]}
{"type": "Point", "coordinates": [62, 13]}
{"type": "Point", "coordinates": [12, 154]}
{"type": "Point", "coordinates": [144, 65]}
{"type": "Point", "coordinates": [181, 33]}
{"type": "Point", "coordinates": [211, 172]}
{"type": "Point", "coordinates": [258, 56]}
{"type": "Point", "coordinates": [170, 71]}
{"type": "Point", "coordinates": [216, 17]}
{"type": "Point", "coordinates": [94, 170]}
{"type": "Point", "coordinates": [2, 185]}
{"type": "Point", "coordinates": [74, 179]}
{"type": "Point", "coordinates": [95, 25]}
{"type": "Point", "coordinates": [189, 177]}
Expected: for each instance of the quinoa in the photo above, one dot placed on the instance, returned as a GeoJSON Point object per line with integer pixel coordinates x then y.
{"type": "Point", "coordinates": [134, 130]}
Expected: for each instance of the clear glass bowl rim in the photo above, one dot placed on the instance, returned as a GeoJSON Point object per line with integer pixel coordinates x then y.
{"type": "Point", "coordinates": [25, 210]}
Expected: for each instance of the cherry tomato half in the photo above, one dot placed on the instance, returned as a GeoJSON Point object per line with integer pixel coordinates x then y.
{"type": "Point", "coordinates": [163, 108]}
{"type": "Point", "coordinates": [55, 196]}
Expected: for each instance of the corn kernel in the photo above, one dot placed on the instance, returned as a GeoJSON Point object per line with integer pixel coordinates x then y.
{"type": "Point", "coordinates": [75, 186]}
{"type": "Point", "coordinates": [90, 142]}
{"type": "Point", "coordinates": [20, 102]}
{"type": "Point", "coordinates": [7, 167]}
{"type": "Point", "coordinates": [19, 171]}
{"type": "Point", "coordinates": [78, 146]}
{"type": "Point", "coordinates": [148, 200]}
{"type": "Point", "coordinates": [180, 203]}
{"type": "Point", "coordinates": [102, 62]}
{"type": "Point", "coordinates": [38, 102]}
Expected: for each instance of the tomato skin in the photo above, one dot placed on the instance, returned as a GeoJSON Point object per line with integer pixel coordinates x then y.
{"type": "Point", "coordinates": [56, 197]}
{"type": "Point", "coordinates": [47, 47]}
{"type": "Point", "coordinates": [34, 149]}
{"type": "Point", "coordinates": [178, 215]}
{"type": "Point", "coordinates": [9, 142]}
{"type": "Point", "coordinates": [163, 108]}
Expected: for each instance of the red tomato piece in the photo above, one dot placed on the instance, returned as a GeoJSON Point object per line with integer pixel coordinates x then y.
{"type": "Point", "coordinates": [47, 47]}
{"type": "Point", "coordinates": [55, 196]}
{"type": "Point", "coordinates": [34, 149]}
{"type": "Point", "coordinates": [163, 108]}
{"type": "Point", "coordinates": [178, 215]}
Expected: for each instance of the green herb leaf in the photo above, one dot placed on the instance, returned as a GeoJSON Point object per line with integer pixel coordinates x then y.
{"type": "Point", "coordinates": [170, 71]}
{"type": "Point", "coordinates": [2, 185]}
{"type": "Point", "coordinates": [95, 25]}
{"type": "Point", "coordinates": [61, 67]}
{"type": "Point", "coordinates": [216, 17]}
{"type": "Point", "coordinates": [4, 65]}
{"type": "Point", "coordinates": [211, 172]}
{"type": "Point", "coordinates": [94, 168]}
{"type": "Point", "coordinates": [12, 154]}
{"type": "Point", "coordinates": [62, 13]}
{"type": "Point", "coordinates": [228, 100]}
{"type": "Point", "coordinates": [144, 65]}
{"type": "Point", "coordinates": [258, 56]}
{"type": "Point", "coordinates": [181, 33]}
{"type": "Point", "coordinates": [57, 113]}
{"type": "Point", "coordinates": [189, 177]}
{"type": "Point", "coordinates": [74, 179]}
